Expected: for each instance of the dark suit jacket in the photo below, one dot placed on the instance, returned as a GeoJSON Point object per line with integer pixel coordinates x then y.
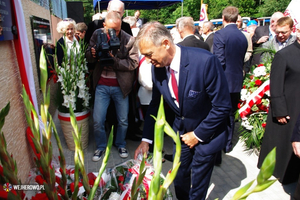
{"type": "Point", "coordinates": [198, 35]}
{"type": "Point", "coordinates": [296, 132]}
{"type": "Point", "coordinates": [259, 32]}
{"type": "Point", "coordinates": [192, 41]}
{"type": "Point", "coordinates": [204, 100]}
{"type": "Point", "coordinates": [230, 46]}
{"type": "Point", "coordinates": [210, 41]}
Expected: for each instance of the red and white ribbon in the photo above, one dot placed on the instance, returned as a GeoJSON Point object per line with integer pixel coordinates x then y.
{"type": "Point", "coordinates": [79, 116]}
{"type": "Point", "coordinates": [253, 98]}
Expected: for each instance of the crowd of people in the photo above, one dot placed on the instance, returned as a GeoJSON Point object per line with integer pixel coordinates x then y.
{"type": "Point", "coordinates": [199, 72]}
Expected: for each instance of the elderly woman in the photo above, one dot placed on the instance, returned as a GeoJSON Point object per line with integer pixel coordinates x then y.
{"type": "Point", "coordinates": [68, 40]}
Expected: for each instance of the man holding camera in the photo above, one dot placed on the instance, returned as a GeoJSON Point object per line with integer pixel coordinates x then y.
{"type": "Point", "coordinates": [116, 59]}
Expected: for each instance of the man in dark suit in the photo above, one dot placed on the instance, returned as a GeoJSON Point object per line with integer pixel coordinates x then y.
{"type": "Point", "coordinates": [208, 30]}
{"type": "Point", "coordinates": [201, 105]}
{"type": "Point", "coordinates": [186, 29]}
{"type": "Point", "coordinates": [230, 46]}
{"type": "Point", "coordinates": [263, 34]}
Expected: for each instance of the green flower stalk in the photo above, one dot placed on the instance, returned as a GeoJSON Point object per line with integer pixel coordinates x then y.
{"type": "Point", "coordinates": [7, 163]}
{"type": "Point", "coordinates": [44, 74]}
{"type": "Point", "coordinates": [176, 162]}
{"type": "Point", "coordinates": [157, 151]}
{"type": "Point", "coordinates": [42, 145]}
{"type": "Point", "coordinates": [62, 160]}
{"type": "Point", "coordinates": [137, 183]}
{"type": "Point", "coordinates": [170, 132]}
{"type": "Point", "coordinates": [156, 191]}
{"type": "Point", "coordinates": [79, 155]}
{"type": "Point", "coordinates": [262, 179]}
{"type": "Point", "coordinates": [103, 166]}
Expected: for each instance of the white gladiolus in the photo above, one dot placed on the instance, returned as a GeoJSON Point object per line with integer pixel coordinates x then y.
{"type": "Point", "coordinates": [81, 84]}
{"type": "Point", "coordinates": [60, 78]}
{"type": "Point", "coordinates": [71, 77]}
{"type": "Point", "coordinates": [81, 76]}
{"type": "Point", "coordinates": [72, 94]}
{"type": "Point", "coordinates": [81, 93]}
{"type": "Point", "coordinates": [66, 101]}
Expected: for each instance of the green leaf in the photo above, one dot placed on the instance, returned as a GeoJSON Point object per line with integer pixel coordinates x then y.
{"type": "Point", "coordinates": [47, 98]}
{"type": "Point", "coordinates": [142, 171]}
{"type": "Point", "coordinates": [267, 167]}
{"type": "Point", "coordinates": [26, 100]}
{"type": "Point", "coordinates": [12, 196]}
{"type": "Point", "coordinates": [171, 176]}
{"type": "Point", "coordinates": [133, 188]}
{"type": "Point", "coordinates": [159, 127]}
{"type": "Point", "coordinates": [104, 163]}
{"type": "Point", "coordinates": [242, 191]}
{"type": "Point", "coordinates": [264, 185]}
{"type": "Point", "coordinates": [3, 113]}
{"type": "Point", "coordinates": [178, 150]}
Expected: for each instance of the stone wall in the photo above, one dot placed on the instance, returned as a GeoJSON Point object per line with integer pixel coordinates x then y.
{"type": "Point", "coordinates": [15, 123]}
{"type": "Point", "coordinates": [11, 89]}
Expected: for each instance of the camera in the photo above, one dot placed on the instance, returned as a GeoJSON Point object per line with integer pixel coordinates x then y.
{"type": "Point", "coordinates": [105, 44]}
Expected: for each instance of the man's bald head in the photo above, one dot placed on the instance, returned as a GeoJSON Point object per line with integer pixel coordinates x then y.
{"type": "Point", "coordinates": [117, 6]}
{"type": "Point", "coordinates": [274, 18]}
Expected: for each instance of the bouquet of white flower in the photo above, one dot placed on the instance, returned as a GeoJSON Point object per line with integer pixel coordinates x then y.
{"type": "Point", "coordinates": [72, 78]}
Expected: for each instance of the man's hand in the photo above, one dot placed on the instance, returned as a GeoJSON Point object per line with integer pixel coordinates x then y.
{"type": "Point", "coordinates": [142, 148]}
{"type": "Point", "coordinates": [296, 148]}
{"type": "Point", "coordinates": [283, 120]}
{"type": "Point", "coordinates": [263, 39]}
{"type": "Point", "coordinates": [93, 51]}
{"type": "Point", "coordinates": [189, 139]}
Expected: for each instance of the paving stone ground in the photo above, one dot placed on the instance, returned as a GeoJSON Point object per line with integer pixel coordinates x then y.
{"type": "Point", "coordinates": [237, 169]}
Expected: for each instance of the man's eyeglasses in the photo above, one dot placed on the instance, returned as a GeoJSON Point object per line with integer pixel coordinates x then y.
{"type": "Point", "coordinates": [282, 32]}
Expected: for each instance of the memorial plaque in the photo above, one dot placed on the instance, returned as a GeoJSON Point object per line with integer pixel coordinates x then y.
{"type": "Point", "coordinates": [42, 37]}
{"type": "Point", "coordinates": [5, 20]}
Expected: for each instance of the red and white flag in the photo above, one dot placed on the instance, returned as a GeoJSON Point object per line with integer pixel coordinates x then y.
{"type": "Point", "coordinates": [293, 11]}
{"type": "Point", "coordinates": [203, 13]}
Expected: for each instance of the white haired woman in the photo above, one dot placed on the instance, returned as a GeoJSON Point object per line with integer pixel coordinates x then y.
{"type": "Point", "coordinates": [69, 39]}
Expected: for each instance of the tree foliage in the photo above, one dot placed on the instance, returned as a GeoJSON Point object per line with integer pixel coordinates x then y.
{"type": "Point", "coordinates": [270, 6]}
{"type": "Point", "coordinates": [168, 15]}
